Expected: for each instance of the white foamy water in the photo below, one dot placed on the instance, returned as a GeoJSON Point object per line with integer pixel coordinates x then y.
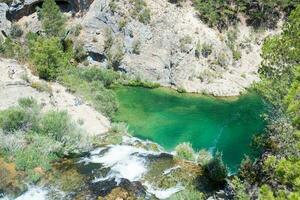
{"type": "Point", "coordinates": [163, 193]}
{"type": "Point", "coordinates": [129, 162]}
{"type": "Point", "coordinates": [168, 171]}
{"type": "Point", "coordinates": [34, 193]}
{"type": "Point", "coordinates": [123, 161]}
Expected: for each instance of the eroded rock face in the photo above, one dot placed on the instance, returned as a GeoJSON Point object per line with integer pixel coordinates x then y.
{"type": "Point", "coordinates": [168, 51]}
{"type": "Point", "coordinates": [5, 24]}
{"type": "Point", "coordinates": [24, 8]}
{"type": "Point", "coordinates": [170, 46]}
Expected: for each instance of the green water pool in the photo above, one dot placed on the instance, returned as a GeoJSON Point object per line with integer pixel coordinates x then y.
{"type": "Point", "coordinates": [169, 118]}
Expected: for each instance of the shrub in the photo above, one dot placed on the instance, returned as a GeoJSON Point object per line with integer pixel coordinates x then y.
{"type": "Point", "coordinates": [106, 76]}
{"type": "Point", "coordinates": [239, 189]}
{"type": "Point", "coordinates": [48, 57]}
{"type": "Point", "coordinates": [11, 143]}
{"type": "Point", "coordinates": [31, 157]}
{"type": "Point", "coordinates": [41, 86]}
{"type": "Point", "coordinates": [16, 31]}
{"type": "Point", "coordinates": [139, 83]}
{"type": "Point", "coordinates": [216, 170]}
{"type": "Point", "coordinates": [136, 47]}
{"type": "Point", "coordinates": [181, 90]}
{"type": "Point", "coordinates": [218, 13]}
{"type": "Point", "coordinates": [45, 138]}
{"type": "Point", "coordinates": [109, 40]}
{"type": "Point", "coordinates": [79, 52]}
{"type": "Point", "coordinates": [115, 56]}
{"type": "Point", "coordinates": [116, 133]}
{"type": "Point", "coordinates": [265, 192]}
{"type": "Point", "coordinates": [19, 117]}
{"type": "Point", "coordinates": [53, 21]}
{"type": "Point", "coordinates": [204, 157]}
{"type": "Point", "coordinates": [75, 30]}
{"type": "Point", "coordinates": [145, 16]}
{"type": "Point", "coordinates": [188, 194]}
{"type": "Point", "coordinates": [184, 151]}
{"type": "Point", "coordinates": [90, 84]}
{"type": "Point", "coordinates": [55, 124]}
{"type": "Point", "coordinates": [206, 50]}
{"type": "Point", "coordinates": [122, 23]}
{"type": "Point", "coordinates": [185, 42]}
{"type": "Point", "coordinates": [140, 11]}
{"type": "Point", "coordinates": [12, 49]}
{"type": "Point", "coordinates": [236, 54]}
{"type": "Point", "coordinates": [113, 6]}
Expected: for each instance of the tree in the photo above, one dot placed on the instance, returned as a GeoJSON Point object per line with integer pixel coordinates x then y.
{"type": "Point", "coordinates": [53, 21]}
{"type": "Point", "coordinates": [48, 57]}
{"type": "Point", "coordinates": [216, 170]}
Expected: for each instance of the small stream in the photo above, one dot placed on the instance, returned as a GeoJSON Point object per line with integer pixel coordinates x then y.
{"type": "Point", "coordinates": [125, 165]}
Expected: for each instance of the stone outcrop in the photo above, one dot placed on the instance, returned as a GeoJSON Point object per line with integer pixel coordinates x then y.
{"type": "Point", "coordinates": [16, 82]}
{"type": "Point", "coordinates": [170, 47]}
{"type": "Point", "coordinates": [24, 8]}
{"type": "Point", "coordinates": [168, 51]}
{"type": "Point", "coordinates": [5, 24]}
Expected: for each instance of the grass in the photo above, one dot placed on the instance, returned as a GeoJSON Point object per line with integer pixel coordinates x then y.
{"type": "Point", "coordinates": [93, 85]}
{"type": "Point", "coordinates": [185, 151]}
{"type": "Point", "coordinates": [33, 140]}
{"type": "Point", "coordinates": [41, 86]}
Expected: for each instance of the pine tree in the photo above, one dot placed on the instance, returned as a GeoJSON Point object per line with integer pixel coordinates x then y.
{"type": "Point", "coordinates": [53, 20]}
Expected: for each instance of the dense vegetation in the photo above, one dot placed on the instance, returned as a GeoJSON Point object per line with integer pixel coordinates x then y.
{"type": "Point", "coordinates": [278, 172]}
{"type": "Point", "coordinates": [33, 139]}
{"type": "Point", "coordinates": [259, 13]}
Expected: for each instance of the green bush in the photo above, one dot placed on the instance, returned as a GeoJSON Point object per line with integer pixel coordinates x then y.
{"type": "Point", "coordinates": [136, 47]}
{"type": "Point", "coordinates": [48, 57]}
{"type": "Point", "coordinates": [185, 151]}
{"type": "Point", "coordinates": [217, 13]}
{"type": "Point", "coordinates": [55, 124]}
{"type": "Point", "coordinates": [188, 194]}
{"type": "Point", "coordinates": [19, 118]}
{"type": "Point", "coordinates": [216, 170]}
{"type": "Point", "coordinates": [53, 20]}
{"type": "Point", "coordinates": [37, 139]}
{"type": "Point", "coordinates": [204, 157]}
{"type": "Point", "coordinates": [41, 87]}
{"type": "Point", "coordinates": [79, 52]}
{"type": "Point", "coordinates": [113, 6]}
{"type": "Point", "coordinates": [16, 31]}
{"type": "Point", "coordinates": [107, 76]}
{"type": "Point", "coordinates": [12, 49]}
{"type": "Point", "coordinates": [31, 157]}
{"type": "Point", "coordinates": [223, 13]}
{"type": "Point", "coordinates": [90, 85]}
{"type": "Point", "coordinates": [116, 133]}
{"type": "Point", "coordinates": [206, 50]}
{"type": "Point", "coordinates": [239, 189]}
{"type": "Point", "coordinates": [185, 42]}
{"type": "Point", "coordinates": [140, 11]}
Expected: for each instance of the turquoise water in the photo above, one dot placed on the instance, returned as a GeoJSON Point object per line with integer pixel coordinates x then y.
{"type": "Point", "coordinates": [169, 118]}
